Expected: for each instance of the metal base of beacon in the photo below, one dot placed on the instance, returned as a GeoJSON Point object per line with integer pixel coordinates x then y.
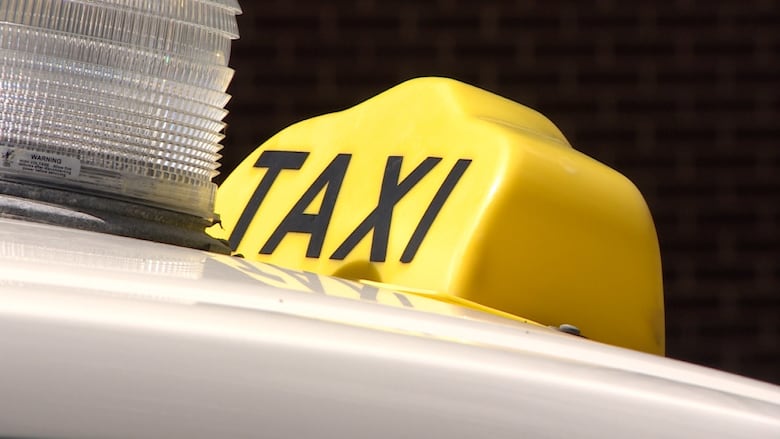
{"type": "Point", "coordinates": [99, 214]}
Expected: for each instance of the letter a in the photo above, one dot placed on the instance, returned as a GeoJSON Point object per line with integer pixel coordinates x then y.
{"type": "Point", "coordinates": [314, 224]}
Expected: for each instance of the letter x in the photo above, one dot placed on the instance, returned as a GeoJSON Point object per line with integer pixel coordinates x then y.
{"type": "Point", "coordinates": [379, 218]}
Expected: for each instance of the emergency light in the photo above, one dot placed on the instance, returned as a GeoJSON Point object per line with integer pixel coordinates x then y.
{"type": "Point", "coordinates": [118, 98]}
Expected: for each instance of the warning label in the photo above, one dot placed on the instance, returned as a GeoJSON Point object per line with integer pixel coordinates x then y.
{"type": "Point", "coordinates": [38, 163]}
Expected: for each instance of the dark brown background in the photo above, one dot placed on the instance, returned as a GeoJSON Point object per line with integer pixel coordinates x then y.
{"type": "Point", "coordinates": [680, 96]}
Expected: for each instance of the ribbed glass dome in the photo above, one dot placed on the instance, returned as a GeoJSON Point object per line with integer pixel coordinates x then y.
{"type": "Point", "coordinates": [119, 97]}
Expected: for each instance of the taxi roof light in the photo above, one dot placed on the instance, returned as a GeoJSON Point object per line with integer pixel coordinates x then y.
{"type": "Point", "coordinates": [435, 185]}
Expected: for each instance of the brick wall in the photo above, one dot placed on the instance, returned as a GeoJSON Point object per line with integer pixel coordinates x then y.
{"type": "Point", "coordinates": [680, 96]}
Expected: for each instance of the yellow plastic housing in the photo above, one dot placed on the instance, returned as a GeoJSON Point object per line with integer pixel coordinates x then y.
{"type": "Point", "coordinates": [440, 186]}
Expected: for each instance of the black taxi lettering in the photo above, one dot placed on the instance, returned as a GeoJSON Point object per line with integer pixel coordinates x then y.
{"type": "Point", "coordinates": [379, 219]}
{"type": "Point", "coordinates": [276, 162]}
{"type": "Point", "coordinates": [314, 224]}
{"type": "Point", "coordinates": [433, 209]}
{"type": "Point", "coordinates": [330, 180]}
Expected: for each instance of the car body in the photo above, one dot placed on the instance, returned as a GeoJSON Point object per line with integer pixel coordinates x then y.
{"type": "Point", "coordinates": [114, 337]}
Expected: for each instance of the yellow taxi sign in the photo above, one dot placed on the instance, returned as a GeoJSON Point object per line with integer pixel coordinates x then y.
{"type": "Point", "coordinates": [441, 186]}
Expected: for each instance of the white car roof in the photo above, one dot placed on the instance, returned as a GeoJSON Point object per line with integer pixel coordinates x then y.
{"type": "Point", "coordinates": [104, 336]}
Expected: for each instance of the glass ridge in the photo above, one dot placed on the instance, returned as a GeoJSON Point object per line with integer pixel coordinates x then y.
{"type": "Point", "coordinates": [133, 91]}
